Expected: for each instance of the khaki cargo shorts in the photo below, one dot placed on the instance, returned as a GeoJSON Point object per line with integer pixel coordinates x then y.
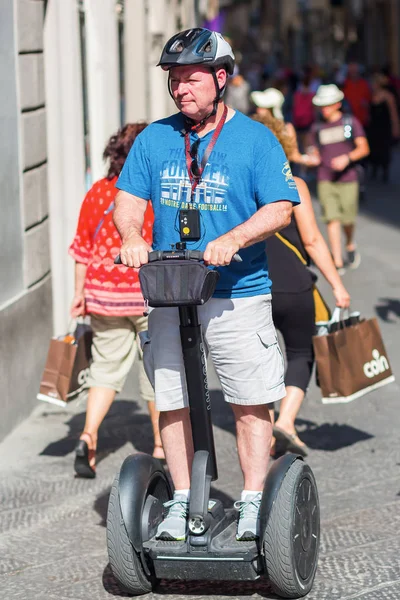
{"type": "Point", "coordinates": [114, 349]}
{"type": "Point", "coordinates": [339, 201]}
{"type": "Point", "coordinates": [240, 336]}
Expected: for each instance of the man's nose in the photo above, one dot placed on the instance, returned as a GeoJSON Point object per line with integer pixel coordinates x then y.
{"type": "Point", "coordinates": [181, 89]}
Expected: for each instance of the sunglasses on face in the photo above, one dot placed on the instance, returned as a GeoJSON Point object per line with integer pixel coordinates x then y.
{"type": "Point", "coordinates": [194, 166]}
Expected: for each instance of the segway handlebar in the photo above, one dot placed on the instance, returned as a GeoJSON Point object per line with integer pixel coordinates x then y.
{"type": "Point", "coordinates": [177, 254]}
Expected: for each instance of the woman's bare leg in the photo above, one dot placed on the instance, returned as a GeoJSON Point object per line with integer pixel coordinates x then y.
{"type": "Point", "coordinates": [98, 405]}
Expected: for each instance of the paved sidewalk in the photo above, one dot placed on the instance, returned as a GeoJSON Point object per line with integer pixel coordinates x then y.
{"type": "Point", "coordinates": [52, 526]}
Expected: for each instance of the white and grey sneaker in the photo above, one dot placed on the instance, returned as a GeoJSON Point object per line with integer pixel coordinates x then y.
{"type": "Point", "coordinates": [249, 517]}
{"type": "Point", "coordinates": [174, 525]}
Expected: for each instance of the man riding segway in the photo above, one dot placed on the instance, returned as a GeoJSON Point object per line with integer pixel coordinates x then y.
{"type": "Point", "coordinates": [225, 178]}
{"type": "Point", "coordinates": [220, 185]}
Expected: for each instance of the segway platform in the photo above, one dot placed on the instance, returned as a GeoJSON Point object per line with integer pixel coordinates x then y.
{"type": "Point", "coordinates": [215, 555]}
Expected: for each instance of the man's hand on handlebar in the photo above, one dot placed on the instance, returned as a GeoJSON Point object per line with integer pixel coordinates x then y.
{"type": "Point", "coordinates": [135, 252]}
{"type": "Point", "coordinates": [219, 252]}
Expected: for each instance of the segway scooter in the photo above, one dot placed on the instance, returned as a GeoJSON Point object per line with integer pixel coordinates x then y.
{"type": "Point", "coordinates": [287, 549]}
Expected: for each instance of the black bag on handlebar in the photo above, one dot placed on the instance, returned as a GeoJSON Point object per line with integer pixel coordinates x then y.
{"type": "Point", "coordinates": [177, 282]}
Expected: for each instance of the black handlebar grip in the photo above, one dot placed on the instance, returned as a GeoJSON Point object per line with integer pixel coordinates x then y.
{"type": "Point", "coordinates": [155, 255]}
{"type": "Point", "coordinates": [188, 254]}
{"type": "Point", "coordinates": [195, 254]}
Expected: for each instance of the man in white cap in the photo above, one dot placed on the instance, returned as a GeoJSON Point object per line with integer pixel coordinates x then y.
{"type": "Point", "coordinates": [338, 143]}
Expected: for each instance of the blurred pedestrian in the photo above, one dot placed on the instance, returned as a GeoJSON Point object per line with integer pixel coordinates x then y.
{"type": "Point", "coordinates": [289, 90]}
{"type": "Point", "coordinates": [293, 308]}
{"type": "Point", "coordinates": [337, 73]}
{"type": "Point", "coordinates": [315, 75]}
{"type": "Point", "coordinates": [268, 110]}
{"type": "Point", "coordinates": [392, 85]}
{"type": "Point", "coordinates": [384, 127]}
{"type": "Point", "coordinates": [338, 143]}
{"type": "Point", "coordinates": [237, 92]}
{"type": "Point", "coordinates": [357, 93]}
{"type": "Point", "coordinates": [111, 295]}
{"type": "Point", "coordinates": [303, 114]}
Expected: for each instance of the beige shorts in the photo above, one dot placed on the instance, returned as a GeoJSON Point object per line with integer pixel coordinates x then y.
{"type": "Point", "coordinates": [239, 335]}
{"type": "Point", "coordinates": [114, 349]}
{"type": "Point", "coordinates": [339, 201]}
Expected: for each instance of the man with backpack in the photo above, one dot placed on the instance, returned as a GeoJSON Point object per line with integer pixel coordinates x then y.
{"type": "Point", "coordinates": [339, 142]}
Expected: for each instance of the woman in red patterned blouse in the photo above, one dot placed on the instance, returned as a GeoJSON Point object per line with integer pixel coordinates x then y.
{"type": "Point", "coordinates": [111, 295]}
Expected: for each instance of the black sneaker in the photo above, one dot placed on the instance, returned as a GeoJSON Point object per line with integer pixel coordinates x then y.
{"type": "Point", "coordinates": [353, 259]}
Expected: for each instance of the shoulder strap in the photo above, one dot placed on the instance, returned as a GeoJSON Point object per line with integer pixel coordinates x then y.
{"type": "Point", "coordinates": [293, 248]}
{"type": "Point", "coordinates": [109, 209]}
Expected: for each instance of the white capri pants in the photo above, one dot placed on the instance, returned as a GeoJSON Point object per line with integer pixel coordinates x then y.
{"type": "Point", "coordinates": [240, 336]}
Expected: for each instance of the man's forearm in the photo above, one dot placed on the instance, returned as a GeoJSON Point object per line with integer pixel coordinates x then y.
{"type": "Point", "coordinates": [357, 154]}
{"type": "Point", "coordinates": [360, 151]}
{"type": "Point", "coordinates": [265, 222]}
{"type": "Point", "coordinates": [129, 215]}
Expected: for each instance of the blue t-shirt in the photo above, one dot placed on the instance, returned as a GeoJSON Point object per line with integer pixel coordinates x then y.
{"type": "Point", "coordinates": [246, 170]}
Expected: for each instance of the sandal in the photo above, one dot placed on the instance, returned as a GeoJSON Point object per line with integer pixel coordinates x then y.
{"type": "Point", "coordinates": [83, 456]}
{"type": "Point", "coordinates": [290, 441]}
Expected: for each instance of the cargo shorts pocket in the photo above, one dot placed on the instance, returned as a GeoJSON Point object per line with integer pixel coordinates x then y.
{"type": "Point", "coordinates": [148, 362]}
{"type": "Point", "coordinates": [272, 363]}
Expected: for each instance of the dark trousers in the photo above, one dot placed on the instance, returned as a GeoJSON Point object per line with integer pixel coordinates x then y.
{"type": "Point", "coordinates": [294, 317]}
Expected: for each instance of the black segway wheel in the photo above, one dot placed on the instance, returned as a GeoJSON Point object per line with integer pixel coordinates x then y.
{"type": "Point", "coordinates": [291, 537]}
{"type": "Point", "coordinates": [130, 569]}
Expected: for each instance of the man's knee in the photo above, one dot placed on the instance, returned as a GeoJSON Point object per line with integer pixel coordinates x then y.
{"type": "Point", "coordinates": [167, 417]}
{"type": "Point", "coordinates": [249, 415]}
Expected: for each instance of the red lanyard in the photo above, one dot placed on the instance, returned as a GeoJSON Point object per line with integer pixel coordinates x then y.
{"type": "Point", "coordinates": [196, 180]}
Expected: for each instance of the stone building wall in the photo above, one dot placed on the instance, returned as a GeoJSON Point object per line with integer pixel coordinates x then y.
{"type": "Point", "coordinates": [25, 291]}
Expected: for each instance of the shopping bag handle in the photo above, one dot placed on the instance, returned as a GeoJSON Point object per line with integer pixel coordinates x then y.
{"type": "Point", "coordinates": [74, 321]}
{"type": "Point", "coordinates": [339, 314]}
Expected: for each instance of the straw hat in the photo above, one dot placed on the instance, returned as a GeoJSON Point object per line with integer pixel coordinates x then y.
{"type": "Point", "coordinates": [327, 95]}
{"type": "Point", "coordinates": [269, 98]}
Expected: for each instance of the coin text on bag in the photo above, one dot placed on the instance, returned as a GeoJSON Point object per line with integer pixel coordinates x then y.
{"type": "Point", "coordinates": [83, 375]}
{"type": "Point", "coordinates": [378, 365]}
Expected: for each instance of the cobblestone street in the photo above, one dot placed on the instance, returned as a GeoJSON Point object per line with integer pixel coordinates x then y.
{"type": "Point", "coordinates": [52, 525]}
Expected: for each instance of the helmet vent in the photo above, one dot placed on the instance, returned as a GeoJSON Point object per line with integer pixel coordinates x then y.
{"type": "Point", "coordinates": [208, 47]}
{"type": "Point", "coordinates": [177, 47]}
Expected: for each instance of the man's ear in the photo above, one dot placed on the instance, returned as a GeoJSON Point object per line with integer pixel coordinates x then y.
{"type": "Point", "coordinates": [221, 78]}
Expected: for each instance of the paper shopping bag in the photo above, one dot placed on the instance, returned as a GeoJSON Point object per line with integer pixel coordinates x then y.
{"type": "Point", "coordinates": [83, 335]}
{"type": "Point", "coordinates": [67, 367]}
{"type": "Point", "coordinates": [351, 362]}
